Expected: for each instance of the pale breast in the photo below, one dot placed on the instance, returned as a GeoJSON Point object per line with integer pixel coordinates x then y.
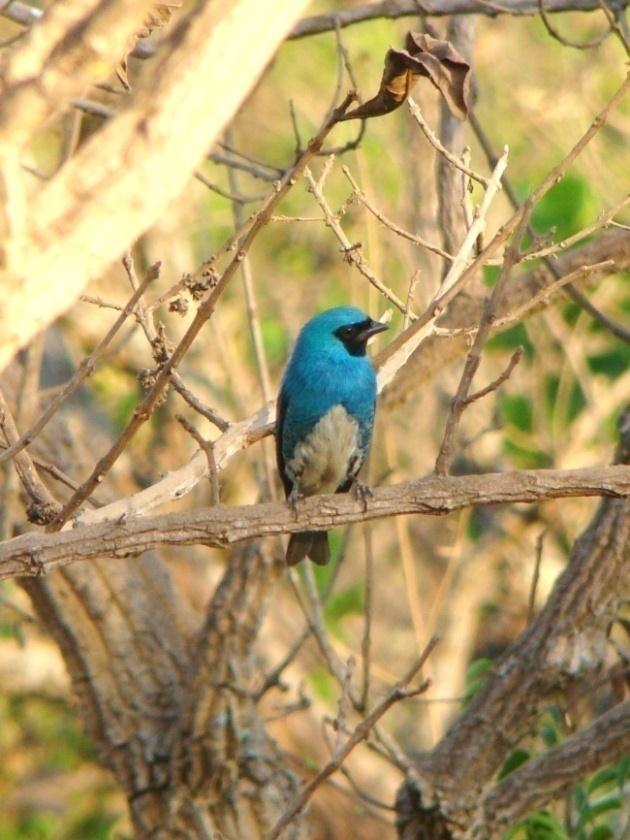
{"type": "Point", "coordinates": [322, 461]}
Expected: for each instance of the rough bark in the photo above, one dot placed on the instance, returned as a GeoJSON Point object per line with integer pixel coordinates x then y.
{"type": "Point", "coordinates": [35, 554]}
{"type": "Point", "coordinates": [567, 640]}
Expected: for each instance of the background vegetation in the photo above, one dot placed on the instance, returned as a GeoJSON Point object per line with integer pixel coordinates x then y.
{"type": "Point", "coordinates": [466, 577]}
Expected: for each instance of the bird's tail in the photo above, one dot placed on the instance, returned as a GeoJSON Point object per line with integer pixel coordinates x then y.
{"type": "Point", "coordinates": [311, 544]}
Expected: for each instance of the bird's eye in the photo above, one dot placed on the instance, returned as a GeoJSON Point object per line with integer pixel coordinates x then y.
{"type": "Point", "coordinates": [347, 332]}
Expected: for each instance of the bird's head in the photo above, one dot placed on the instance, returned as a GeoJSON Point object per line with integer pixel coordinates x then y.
{"type": "Point", "coordinates": [343, 327]}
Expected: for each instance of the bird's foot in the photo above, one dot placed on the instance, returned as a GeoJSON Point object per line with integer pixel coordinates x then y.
{"type": "Point", "coordinates": [293, 499]}
{"type": "Point", "coordinates": [361, 492]}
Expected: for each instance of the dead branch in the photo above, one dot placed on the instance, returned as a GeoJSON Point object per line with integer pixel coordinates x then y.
{"type": "Point", "coordinates": [144, 410]}
{"type": "Point", "coordinates": [415, 111]}
{"type": "Point", "coordinates": [43, 506]}
{"type": "Point", "coordinates": [392, 9]}
{"type": "Point", "coordinates": [36, 554]}
{"type": "Point", "coordinates": [85, 369]}
{"type": "Point", "coordinates": [350, 252]}
{"type": "Point", "coordinates": [360, 733]}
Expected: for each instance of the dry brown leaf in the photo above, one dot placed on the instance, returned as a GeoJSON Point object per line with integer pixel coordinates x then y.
{"type": "Point", "coordinates": [159, 16]}
{"type": "Point", "coordinates": [425, 57]}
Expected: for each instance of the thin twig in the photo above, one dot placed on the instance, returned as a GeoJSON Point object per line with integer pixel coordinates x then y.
{"type": "Point", "coordinates": [414, 110]}
{"type": "Point", "coordinates": [516, 357]}
{"type": "Point", "coordinates": [570, 290]}
{"type": "Point", "coordinates": [262, 171]}
{"type": "Point", "coordinates": [85, 369]}
{"type": "Point", "coordinates": [577, 45]}
{"type": "Point", "coordinates": [231, 195]}
{"type": "Point", "coordinates": [531, 601]}
{"type": "Point", "coordinates": [159, 349]}
{"type": "Point", "coordinates": [208, 448]}
{"type": "Point", "coordinates": [273, 677]}
{"type": "Point", "coordinates": [360, 733]}
{"type": "Point", "coordinates": [366, 641]}
{"type": "Point", "coordinates": [351, 252]}
{"type": "Point", "coordinates": [473, 359]}
{"type": "Point", "coordinates": [410, 237]}
{"type": "Point", "coordinates": [413, 282]}
{"type": "Point", "coordinates": [43, 506]}
{"type": "Point", "coordinates": [603, 221]}
{"type": "Point", "coordinates": [144, 410]}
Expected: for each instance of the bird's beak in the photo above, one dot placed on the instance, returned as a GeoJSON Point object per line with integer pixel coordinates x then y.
{"type": "Point", "coordinates": [371, 328]}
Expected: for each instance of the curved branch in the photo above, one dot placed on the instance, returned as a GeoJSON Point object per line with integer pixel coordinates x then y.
{"type": "Point", "coordinates": [438, 8]}
{"type": "Point", "coordinates": [35, 554]}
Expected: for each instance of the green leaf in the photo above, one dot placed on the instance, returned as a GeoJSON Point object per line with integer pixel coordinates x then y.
{"type": "Point", "coordinates": [601, 832]}
{"type": "Point", "coordinates": [512, 338]}
{"type": "Point", "coordinates": [603, 777]}
{"type": "Point", "coordinates": [344, 602]}
{"type": "Point", "coordinates": [567, 207]}
{"type": "Point", "coordinates": [515, 759]}
{"type": "Point", "coordinates": [594, 810]}
{"type": "Point", "coordinates": [475, 678]}
{"type": "Point", "coordinates": [517, 410]}
{"type": "Point", "coordinates": [322, 683]}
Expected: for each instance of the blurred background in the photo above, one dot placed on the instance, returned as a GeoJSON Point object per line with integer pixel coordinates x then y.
{"type": "Point", "coordinates": [467, 576]}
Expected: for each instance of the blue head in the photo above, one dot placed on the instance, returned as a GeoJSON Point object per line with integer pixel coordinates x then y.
{"type": "Point", "coordinates": [340, 332]}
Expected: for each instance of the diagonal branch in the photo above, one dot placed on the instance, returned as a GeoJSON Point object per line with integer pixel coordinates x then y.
{"type": "Point", "coordinates": [550, 775]}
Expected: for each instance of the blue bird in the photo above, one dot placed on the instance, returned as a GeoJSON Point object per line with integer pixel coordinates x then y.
{"type": "Point", "coordinates": [325, 415]}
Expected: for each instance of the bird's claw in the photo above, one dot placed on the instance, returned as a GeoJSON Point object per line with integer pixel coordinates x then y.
{"type": "Point", "coordinates": [361, 493]}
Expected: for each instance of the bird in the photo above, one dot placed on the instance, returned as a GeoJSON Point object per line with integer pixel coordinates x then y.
{"type": "Point", "coordinates": [325, 415]}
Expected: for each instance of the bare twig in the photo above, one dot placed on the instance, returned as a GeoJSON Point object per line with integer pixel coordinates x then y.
{"type": "Point", "coordinates": [85, 369]}
{"type": "Point", "coordinates": [462, 399]}
{"type": "Point", "coordinates": [208, 448]}
{"type": "Point", "coordinates": [578, 45]}
{"type": "Point", "coordinates": [43, 506]}
{"type": "Point", "coordinates": [231, 195]}
{"type": "Point", "coordinates": [360, 733]}
{"type": "Point", "coordinates": [159, 351]}
{"type": "Point", "coordinates": [570, 289]}
{"type": "Point", "coordinates": [262, 171]}
{"type": "Point", "coordinates": [531, 601]}
{"type": "Point", "coordinates": [414, 110]}
{"type": "Point", "coordinates": [366, 641]}
{"type": "Point", "coordinates": [516, 357]}
{"type": "Point", "coordinates": [206, 308]}
{"type": "Point", "coordinates": [351, 252]}
{"type": "Point", "coordinates": [613, 327]}
{"type": "Point", "coordinates": [410, 237]}
{"type": "Point", "coordinates": [603, 221]}
{"type": "Point", "coordinates": [393, 9]}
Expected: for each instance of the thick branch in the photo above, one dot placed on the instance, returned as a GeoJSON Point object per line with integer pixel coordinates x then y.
{"type": "Point", "coordinates": [567, 640]}
{"type": "Point", "coordinates": [545, 778]}
{"type": "Point", "coordinates": [35, 554]}
{"type": "Point", "coordinates": [108, 193]}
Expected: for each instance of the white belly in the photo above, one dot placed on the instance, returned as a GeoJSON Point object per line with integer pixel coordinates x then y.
{"type": "Point", "coordinates": [320, 464]}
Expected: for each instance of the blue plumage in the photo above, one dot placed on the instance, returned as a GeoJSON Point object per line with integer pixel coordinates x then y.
{"type": "Point", "coordinates": [325, 414]}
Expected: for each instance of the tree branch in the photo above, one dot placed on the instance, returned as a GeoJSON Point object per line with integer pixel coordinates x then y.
{"type": "Point", "coordinates": [550, 775]}
{"type": "Point", "coordinates": [392, 9]}
{"type": "Point", "coordinates": [567, 640]}
{"type": "Point", "coordinates": [218, 526]}
{"type": "Point", "coordinates": [108, 193]}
